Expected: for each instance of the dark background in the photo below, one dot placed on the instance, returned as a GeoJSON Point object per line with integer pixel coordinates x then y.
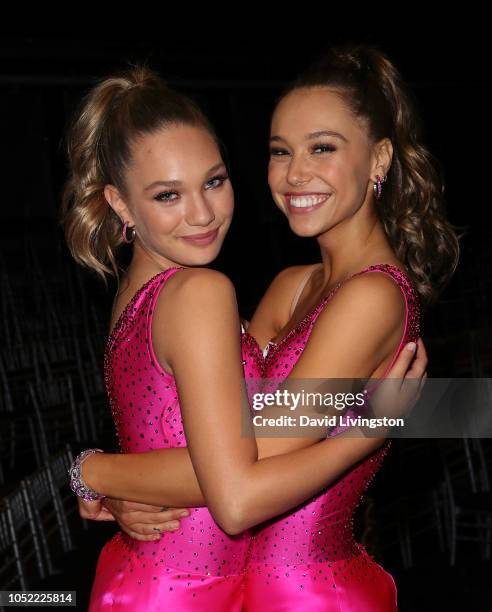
{"type": "Point", "coordinates": [236, 83]}
{"type": "Point", "coordinates": [236, 78]}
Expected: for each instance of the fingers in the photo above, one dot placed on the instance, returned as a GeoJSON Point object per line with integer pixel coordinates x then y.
{"type": "Point", "coordinates": [412, 387]}
{"type": "Point", "coordinates": [105, 515]}
{"type": "Point", "coordinates": [421, 350]}
{"type": "Point", "coordinates": [420, 363]}
{"type": "Point", "coordinates": [142, 538]}
{"type": "Point", "coordinates": [144, 532]}
{"type": "Point", "coordinates": [421, 360]}
{"type": "Point", "coordinates": [94, 511]}
{"type": "Point", "coordinates": [151, 518]}
{"type": "Point", "coordinates": [151, 525]}
{"type": "Point", "coordinates": [422, 383]}
{"type": "Point", "coordinates": [403, 361]}
{"type": "Point", "coordinates": [146, 529]}
{"type": "Point", "coordinates": [89, 509]}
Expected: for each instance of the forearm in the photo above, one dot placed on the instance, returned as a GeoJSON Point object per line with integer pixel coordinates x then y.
{"type": "Point", "coordinates": [163, 477]}
{"type": "Point", "coordinates": [273, 485]}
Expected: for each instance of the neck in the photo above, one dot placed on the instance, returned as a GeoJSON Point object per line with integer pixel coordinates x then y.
{"type": "Point", "coordinates": [144, 265]}
{"type": "Point", "coordinates": [351, 246]}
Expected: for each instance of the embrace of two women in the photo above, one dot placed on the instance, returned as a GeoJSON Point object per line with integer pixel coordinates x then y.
{"type": "Point", "coordinates": [211, 517]}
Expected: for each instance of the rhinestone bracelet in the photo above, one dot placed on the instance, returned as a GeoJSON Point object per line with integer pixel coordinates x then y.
{"type": "Point", "coordinates": [77, 485]}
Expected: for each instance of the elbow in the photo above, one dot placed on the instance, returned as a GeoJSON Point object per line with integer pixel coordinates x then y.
{"type": "Point", "coordinates": [232, 528]}
{"type": "Point", "coordinates": [232, 517]}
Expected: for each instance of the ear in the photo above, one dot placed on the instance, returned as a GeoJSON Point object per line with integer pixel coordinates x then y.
{"type": "Point", "coordinates": [114, 199]}
{"type": "Point", "coordinates": [383, 155]}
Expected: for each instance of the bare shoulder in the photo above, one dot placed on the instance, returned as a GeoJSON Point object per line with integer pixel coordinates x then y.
{"type": "Point", "coordinates": [195, 307]}
{"type": "Point", "coordinates": [376, 282]}
{"type": "Point", "coordinates": [191, 287]}
{"type": "Point", "coordinates": [357, 331]}
{"type": "Point", "coordinates": [194, 299]}
{"type": "Point", "coordinates": [198, 278]}
{"type": "Point", "coordinates": [374, 296]}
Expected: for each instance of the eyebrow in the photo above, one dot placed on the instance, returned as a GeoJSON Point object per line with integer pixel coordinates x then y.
{"type": "Point", "coordinates": [176, 183]}
{"type": "Point", "coordinates": [314, 135]}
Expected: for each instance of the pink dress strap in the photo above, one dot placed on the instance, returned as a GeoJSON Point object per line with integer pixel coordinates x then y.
{"type": "Point", "coordinates": [300, 289]}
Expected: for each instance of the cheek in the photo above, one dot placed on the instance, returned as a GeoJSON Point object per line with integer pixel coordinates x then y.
{"type": "Point", "coordinates": [165, 220]}
{"type": "Point", "coordinates": [276, 173]}
{"type": "Point", "coordinates": [225, 203]}
{"type": "Point", "coordinates": [334, 169]}
{"type": "Point", "coordinates": [276, 177]}
{"type": "Point", "coordinates": [357, 167]}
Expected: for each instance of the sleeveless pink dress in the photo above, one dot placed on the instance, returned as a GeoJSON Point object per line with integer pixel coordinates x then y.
{"type": "Point", "coordinates": [199, 566]}
{"type": "Point", "coordinates": [308, 558]}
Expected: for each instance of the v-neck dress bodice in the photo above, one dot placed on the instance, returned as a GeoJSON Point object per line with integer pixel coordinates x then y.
{"type": "Point", "coordinates": [308, 558]}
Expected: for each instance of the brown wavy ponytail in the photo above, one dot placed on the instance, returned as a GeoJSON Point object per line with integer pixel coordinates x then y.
{"type": "Point", "coordinates": [412, 205]}
{"type": "Point", "coordinates": [111, 116]}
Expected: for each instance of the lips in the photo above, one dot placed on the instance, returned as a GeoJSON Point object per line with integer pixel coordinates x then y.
{"type": "Point", "coordinates": [202, 239]}
{"type": "Point", "coordinates": [306, 202]}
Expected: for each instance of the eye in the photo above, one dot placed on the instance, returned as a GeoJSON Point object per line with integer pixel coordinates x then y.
{"type": "Point", "coordinates": [274, 152]}
{"type": "Point", "coordinates": [165, 196]}
{"type": "Point", "coordinates": [324, 148]}
{"type": "Point", "coordinates": [162, 197]}
{"type": "Point", "coordinates": [221, 178]}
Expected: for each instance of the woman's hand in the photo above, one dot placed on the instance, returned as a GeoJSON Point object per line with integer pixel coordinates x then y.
{"type": "Point", "coordinates": [94, 510]}
{"type": "Point", "coordinates": [397, 394]}
{"type": "Point", "coordinates": [142, 521]}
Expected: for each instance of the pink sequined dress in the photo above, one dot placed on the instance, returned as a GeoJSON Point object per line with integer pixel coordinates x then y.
{"type": "Point", "coordinates": [199, 566]}
{"type": "Point", "coordinates": [308, 559]}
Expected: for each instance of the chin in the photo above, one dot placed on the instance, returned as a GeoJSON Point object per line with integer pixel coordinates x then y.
{"type": "Point", "coordinates": [305, 230]}
{"type": "Point", "coordinates": [203, 258]}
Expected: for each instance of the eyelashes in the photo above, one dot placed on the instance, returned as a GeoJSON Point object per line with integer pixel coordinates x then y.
{"type": "Point", "coordinates": [325, 148]}
{"type": "Point", "coordinates": [220, 177]}
{"type": "Point", "coordinates": [163, 195]}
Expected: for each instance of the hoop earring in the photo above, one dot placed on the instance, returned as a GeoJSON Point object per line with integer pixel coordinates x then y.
{"type": "Point", "coordinates": [377, 186]}
{"type": "Point", "coordinates": [125, 237]}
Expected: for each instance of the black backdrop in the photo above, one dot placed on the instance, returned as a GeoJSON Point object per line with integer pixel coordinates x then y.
{"type": "Point", "coordinates": [236, 82]}
{"type": "Point", "coordinates": [236, 79]}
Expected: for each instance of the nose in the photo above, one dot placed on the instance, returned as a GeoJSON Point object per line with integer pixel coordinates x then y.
{"type": "Point", "coordinates": [297, 173]}
{"type": "Point", "coordinates": [199, 212]}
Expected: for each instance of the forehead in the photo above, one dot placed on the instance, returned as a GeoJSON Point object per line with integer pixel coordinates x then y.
{"type": "Point", "coordinates": [174, 143]}
{"type": "Point", "coordinates": [312, 109]}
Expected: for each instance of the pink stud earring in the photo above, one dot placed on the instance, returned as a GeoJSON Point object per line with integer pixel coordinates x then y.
{"type": "Point", "coordinates": [377, 186]}
{"type": "Point", "coordinates": [125, 237]}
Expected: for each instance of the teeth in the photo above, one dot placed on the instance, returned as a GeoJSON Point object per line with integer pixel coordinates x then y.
{"type": "Point", "coordinates": [305, 201]}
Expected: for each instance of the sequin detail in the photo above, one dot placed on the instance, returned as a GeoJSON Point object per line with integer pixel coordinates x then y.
{"type": "Point", "coordinates": [312, 550]}
{"type": "Point", "coordinates": [200, 562]}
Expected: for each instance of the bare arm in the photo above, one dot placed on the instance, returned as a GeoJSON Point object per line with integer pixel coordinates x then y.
{"type": "Point", "coordinates": [201, 346]}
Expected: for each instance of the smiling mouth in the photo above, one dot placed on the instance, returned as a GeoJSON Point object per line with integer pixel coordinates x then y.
{"type": "Point", "coordinates": [300, 202]}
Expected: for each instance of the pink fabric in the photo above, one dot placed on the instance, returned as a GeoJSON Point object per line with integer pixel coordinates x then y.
{"type": "Point", "coordinates": [308, 558]}
{"type": "Point", "coordinates": [199, 566]}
